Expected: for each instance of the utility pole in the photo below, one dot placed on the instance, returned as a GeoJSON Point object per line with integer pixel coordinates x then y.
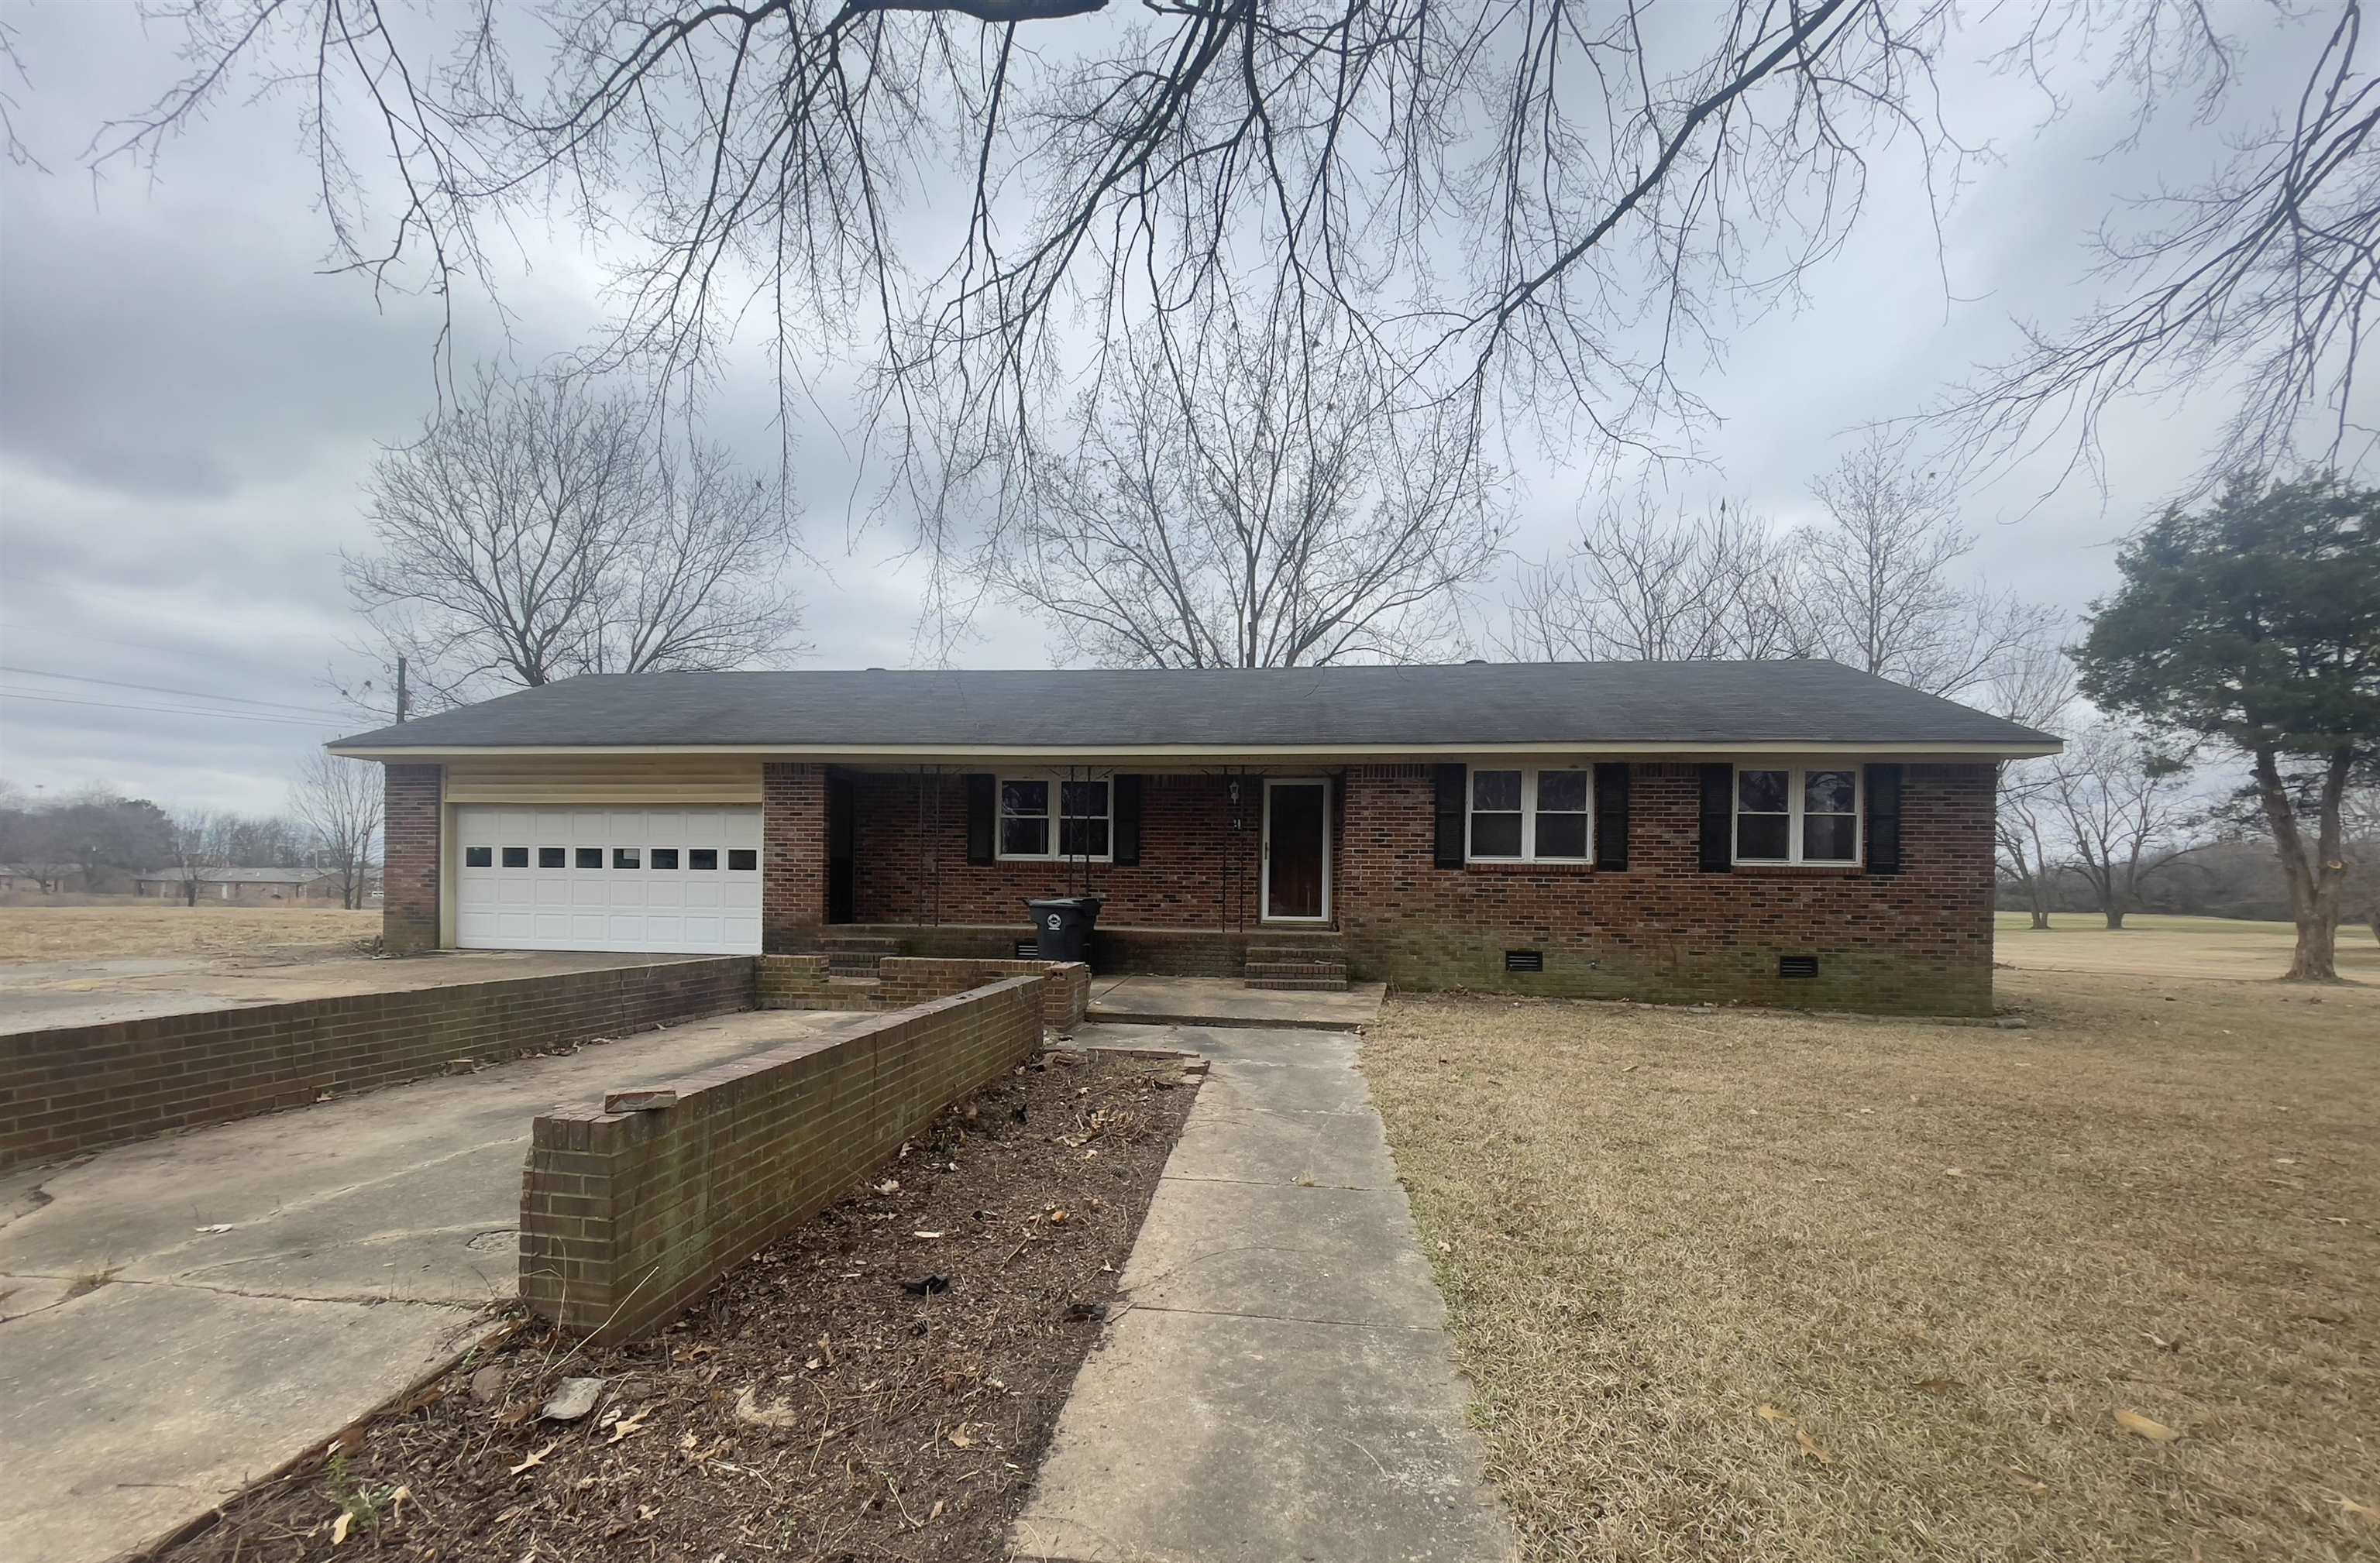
{"type": "Point", "coordinates": [400, 689]}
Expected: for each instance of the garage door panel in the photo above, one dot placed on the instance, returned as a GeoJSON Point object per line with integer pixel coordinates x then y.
{"type": "Point", "coordinates": [608, 879]}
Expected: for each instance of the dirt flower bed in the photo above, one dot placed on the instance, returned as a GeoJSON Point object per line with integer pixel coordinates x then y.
{"type": "Point", "coordinates": [878, 1384]}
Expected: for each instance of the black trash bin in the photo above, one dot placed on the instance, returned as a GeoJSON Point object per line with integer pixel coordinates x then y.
{"type": "Point", "coordinates": [1062, 928]}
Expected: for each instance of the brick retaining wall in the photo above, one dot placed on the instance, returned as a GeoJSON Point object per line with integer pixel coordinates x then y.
{"type": "Point", "coordinates": [77, 1088]}
{"type": "Point", "coordinates": [626, 1218]}
{"type": "Point", "coordinates": [802, 982]}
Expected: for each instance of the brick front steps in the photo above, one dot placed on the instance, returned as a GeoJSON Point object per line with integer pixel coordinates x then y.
{"type": "Point", "coordinates": [1315, 963]}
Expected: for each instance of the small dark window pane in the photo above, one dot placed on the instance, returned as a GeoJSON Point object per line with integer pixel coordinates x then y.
{"type": "Point", "coordinates": [1761, 836]}
{"type": "Point", "coordinates": [1829, 791]}
{"type": "Point", "coordinates": [1024, 797]}
{"type": "Point", "coordinates": [478, 857]}
{"type": "Point", "coordinates": [1082, 799]}
{"type": "Point", "coordinates": [743, 857]}
{"type": "Point", "coordinates": [1083, 838]}
{"type": "Point", "coordinates": [515, 858]}
{"type": "Point", "coordinates": [1564, 792]}
{"type": "Point", "coordinates": [1495, 835]}
{"type": "Point", "coordinates": [1762, 792]}
{"type": "Point", "coordinates": [702, 857]}
{"type": "Point", "coordinates": [1024, 836]}
{"type": "Point", "coordinates": [549, 857]}
{"type": "Point", "coordinates": [665, 857]}
{"type": "Point", "coordinates": [1496, 790]}
{"type": "Point", "coordinates": [591, 857]}
{"type": "Point", "coordinates": [1562, 835]}
{"type": "Point", "coordinates": [625, 857]}
{"type": "Point", "coordinates": [1829, 838]}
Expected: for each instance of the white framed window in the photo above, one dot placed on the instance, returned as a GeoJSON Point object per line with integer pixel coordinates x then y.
{"type": "Point", "coordinates": [1047, 817]}
{"type": "Point", "coordinates": [1530, 816]}
{"type": "Point", "coordinates": [1797, 814]}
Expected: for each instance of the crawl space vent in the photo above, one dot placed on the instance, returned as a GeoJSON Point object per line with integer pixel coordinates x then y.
{"type": "Point", "coordinates": [1797, 965]}
{"type": "Point", "coordinates": [1028, 948]}
{"type": "Point", "coordinates": [1525, 960]}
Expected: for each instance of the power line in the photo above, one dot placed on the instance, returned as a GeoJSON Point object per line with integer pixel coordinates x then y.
{"type": "Point", "coordinates": [312, 723]}
{"type": "Point", "coordinates": [193, 694]}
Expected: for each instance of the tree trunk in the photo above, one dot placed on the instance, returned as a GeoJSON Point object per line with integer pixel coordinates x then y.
{"type": "Point", "coordinates": [2040, 920]}
{"type": "Point", "coordinates": [2314, 885]}
{"type": "Point", "coordinates": [2116, 918]}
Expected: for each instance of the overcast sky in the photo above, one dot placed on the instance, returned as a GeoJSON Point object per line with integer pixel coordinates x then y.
{"type": "Point", "coordinates": [187, 408]}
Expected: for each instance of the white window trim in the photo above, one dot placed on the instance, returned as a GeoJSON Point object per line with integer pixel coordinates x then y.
{"type": "Point", "coordinates": [1528, 813]}
{"type": "Point", "coordinates": [1796, 795]}
{"type": "Point", "coordinates": [1056, 779]}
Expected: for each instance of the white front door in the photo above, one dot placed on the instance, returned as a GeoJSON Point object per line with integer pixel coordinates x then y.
{"type": "Point", "coordinates": [680, 881]}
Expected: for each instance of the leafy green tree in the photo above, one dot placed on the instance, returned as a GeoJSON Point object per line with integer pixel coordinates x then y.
{"type": "Point", "coordinates": [2257, 624]}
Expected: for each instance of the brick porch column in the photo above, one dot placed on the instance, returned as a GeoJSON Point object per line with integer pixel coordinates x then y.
{"type": "Point", "coordinates": [408, 916]}
{"type": "Point", "coordinates": [793, 856]}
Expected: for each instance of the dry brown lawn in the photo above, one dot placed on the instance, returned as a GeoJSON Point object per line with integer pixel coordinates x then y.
{"type": "Point", "coordinates": [76, 933]}
{"type": "Point", "coordinates": [2153, 945]}
{"type": "Point", "coordinates": [1736, 1286]}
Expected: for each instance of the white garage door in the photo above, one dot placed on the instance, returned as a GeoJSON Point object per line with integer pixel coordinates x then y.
{"type": "Point", "coordinates": [670, 881]}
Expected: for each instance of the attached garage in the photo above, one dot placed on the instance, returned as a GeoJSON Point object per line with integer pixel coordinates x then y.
{"type": "Point", "coordinates": [679, 881]}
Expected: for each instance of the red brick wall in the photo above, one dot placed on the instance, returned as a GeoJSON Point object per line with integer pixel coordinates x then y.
{"type": "Point", "coordinates": [1916, 942]}
{"type": "Point", "coordinates": [1065, 985]}
{"type": "Point", "coordinates": [626, 1218]}
{"type": "Point", "coordinates": [408, 916]}
{"type": "Point", "coordinates": [76, 1088]}
{"type": "Point", "coordinates": [793, 855]}
{"type": "Point", "coordinates": [1196, 869]}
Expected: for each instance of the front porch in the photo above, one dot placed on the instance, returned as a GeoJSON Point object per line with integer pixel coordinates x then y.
{"type": "Point", "coordinates": [1226, 872]}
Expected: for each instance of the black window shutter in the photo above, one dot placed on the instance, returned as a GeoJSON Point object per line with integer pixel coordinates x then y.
{"type": "Point", "coordinates": [1883, 789]}
{"type": "Point", "coordinates": [1611, 815]}
{"type": "Point", "coordinates": [982, 806]}
{"type": "Point", "coordinates": [1127, 819]}
{"type": "Point", "coordinates": [1718, 819]}
{"type": "Point", "coordinates": [1451, 780]}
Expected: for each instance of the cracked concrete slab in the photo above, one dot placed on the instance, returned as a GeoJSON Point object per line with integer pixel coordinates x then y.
{"type": "Point", "coordinates": [180, 1316]}
{"type": "Point", "coordinates": [1282, 1385]}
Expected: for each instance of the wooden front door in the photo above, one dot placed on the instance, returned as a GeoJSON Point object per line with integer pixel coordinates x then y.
{"type": "Point", "coordinates": [1297, 850]}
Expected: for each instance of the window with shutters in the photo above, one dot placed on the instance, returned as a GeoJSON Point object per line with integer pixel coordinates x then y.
{"type": "Point", "coordinates": [1797, 814]}
{"type": "Point", "coordinates": [1047, 819]}
{"type": "Point", "coordinates": [1522, 815]}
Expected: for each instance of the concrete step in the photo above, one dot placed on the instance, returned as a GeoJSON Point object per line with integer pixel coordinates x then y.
{"type": "Point", "coordinates": [1297, 985]}
{"type": "Point", "coordinates": [1315, 950]}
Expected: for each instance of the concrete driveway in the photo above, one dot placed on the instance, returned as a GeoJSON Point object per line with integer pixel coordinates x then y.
{"type": "Point", "coordinates": [37, 995]}
{"type": "Point", "coordinates": [184, 1314]}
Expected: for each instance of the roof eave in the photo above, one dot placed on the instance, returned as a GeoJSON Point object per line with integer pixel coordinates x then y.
{"type": "Point", "coordinates": [1679, 748]}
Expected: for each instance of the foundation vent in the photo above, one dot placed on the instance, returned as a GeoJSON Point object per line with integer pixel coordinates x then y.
{"type": "Point", "coordinates": [1797, 965]}
{"type": "Point", "coordinates": [1028, 950]}
{"type": "Point", "coordinates": [1525, 960]}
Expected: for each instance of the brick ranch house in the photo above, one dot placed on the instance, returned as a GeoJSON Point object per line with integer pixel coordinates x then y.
{"type": "Point", "coordinates": [1786, 832]}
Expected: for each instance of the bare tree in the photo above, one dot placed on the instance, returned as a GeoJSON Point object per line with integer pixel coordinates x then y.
{"type": "Point", "coordinates": [2033, 685]}
{"type": "Point", "coordinates": [197, 847]}
{"type": "Point", "coordinates": [1646, 586]}
{"type": "Point", "coordinates": [1883, 584]}
{"type": "Point", "coordinates": [2259, 279]}
{"type": "Point", "coordinates": [2122, 810]}
{"type": "Point", "coordinates": [536, 532]}
{"type": "Point", "coordinates": [1242, 499]}
{"type": "Point", "coordinates": [339, 803]}
{"type": "Point", "coordinates": [1499, 193]}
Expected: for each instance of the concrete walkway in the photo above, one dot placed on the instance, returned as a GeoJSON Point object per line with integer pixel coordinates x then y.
{"type": "Point", "coordinates": [1280, 1385]}
{"type": "Point", "coordinates": [181, 1316]}
{"type": "Point", "coordinates": [1219, 1001]}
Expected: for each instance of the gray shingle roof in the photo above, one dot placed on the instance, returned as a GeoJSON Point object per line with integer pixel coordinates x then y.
{"type": "Point", "coordinates": [1391, 709]}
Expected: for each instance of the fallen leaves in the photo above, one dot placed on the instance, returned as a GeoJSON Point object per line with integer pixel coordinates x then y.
{"type": "Point", "coordinates": [1810, 1448]}
{"type": "Point", "coordinates": [535, 1458]}
{"type": "Point", "coordinates": [2147, 1427]}
{"type": "Point", "coordinates": [777, 1414]}
{"type": "Point", "coordinates": [629, 1426]}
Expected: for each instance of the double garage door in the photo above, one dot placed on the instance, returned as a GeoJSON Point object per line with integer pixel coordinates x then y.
{"type": "Point", "coordinates": [680, 881]}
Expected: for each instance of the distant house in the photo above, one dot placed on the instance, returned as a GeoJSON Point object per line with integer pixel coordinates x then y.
{"type": "Point", "coordinates": [252, 887]}
{"type": "Point", "coordinates": [48, 878]}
